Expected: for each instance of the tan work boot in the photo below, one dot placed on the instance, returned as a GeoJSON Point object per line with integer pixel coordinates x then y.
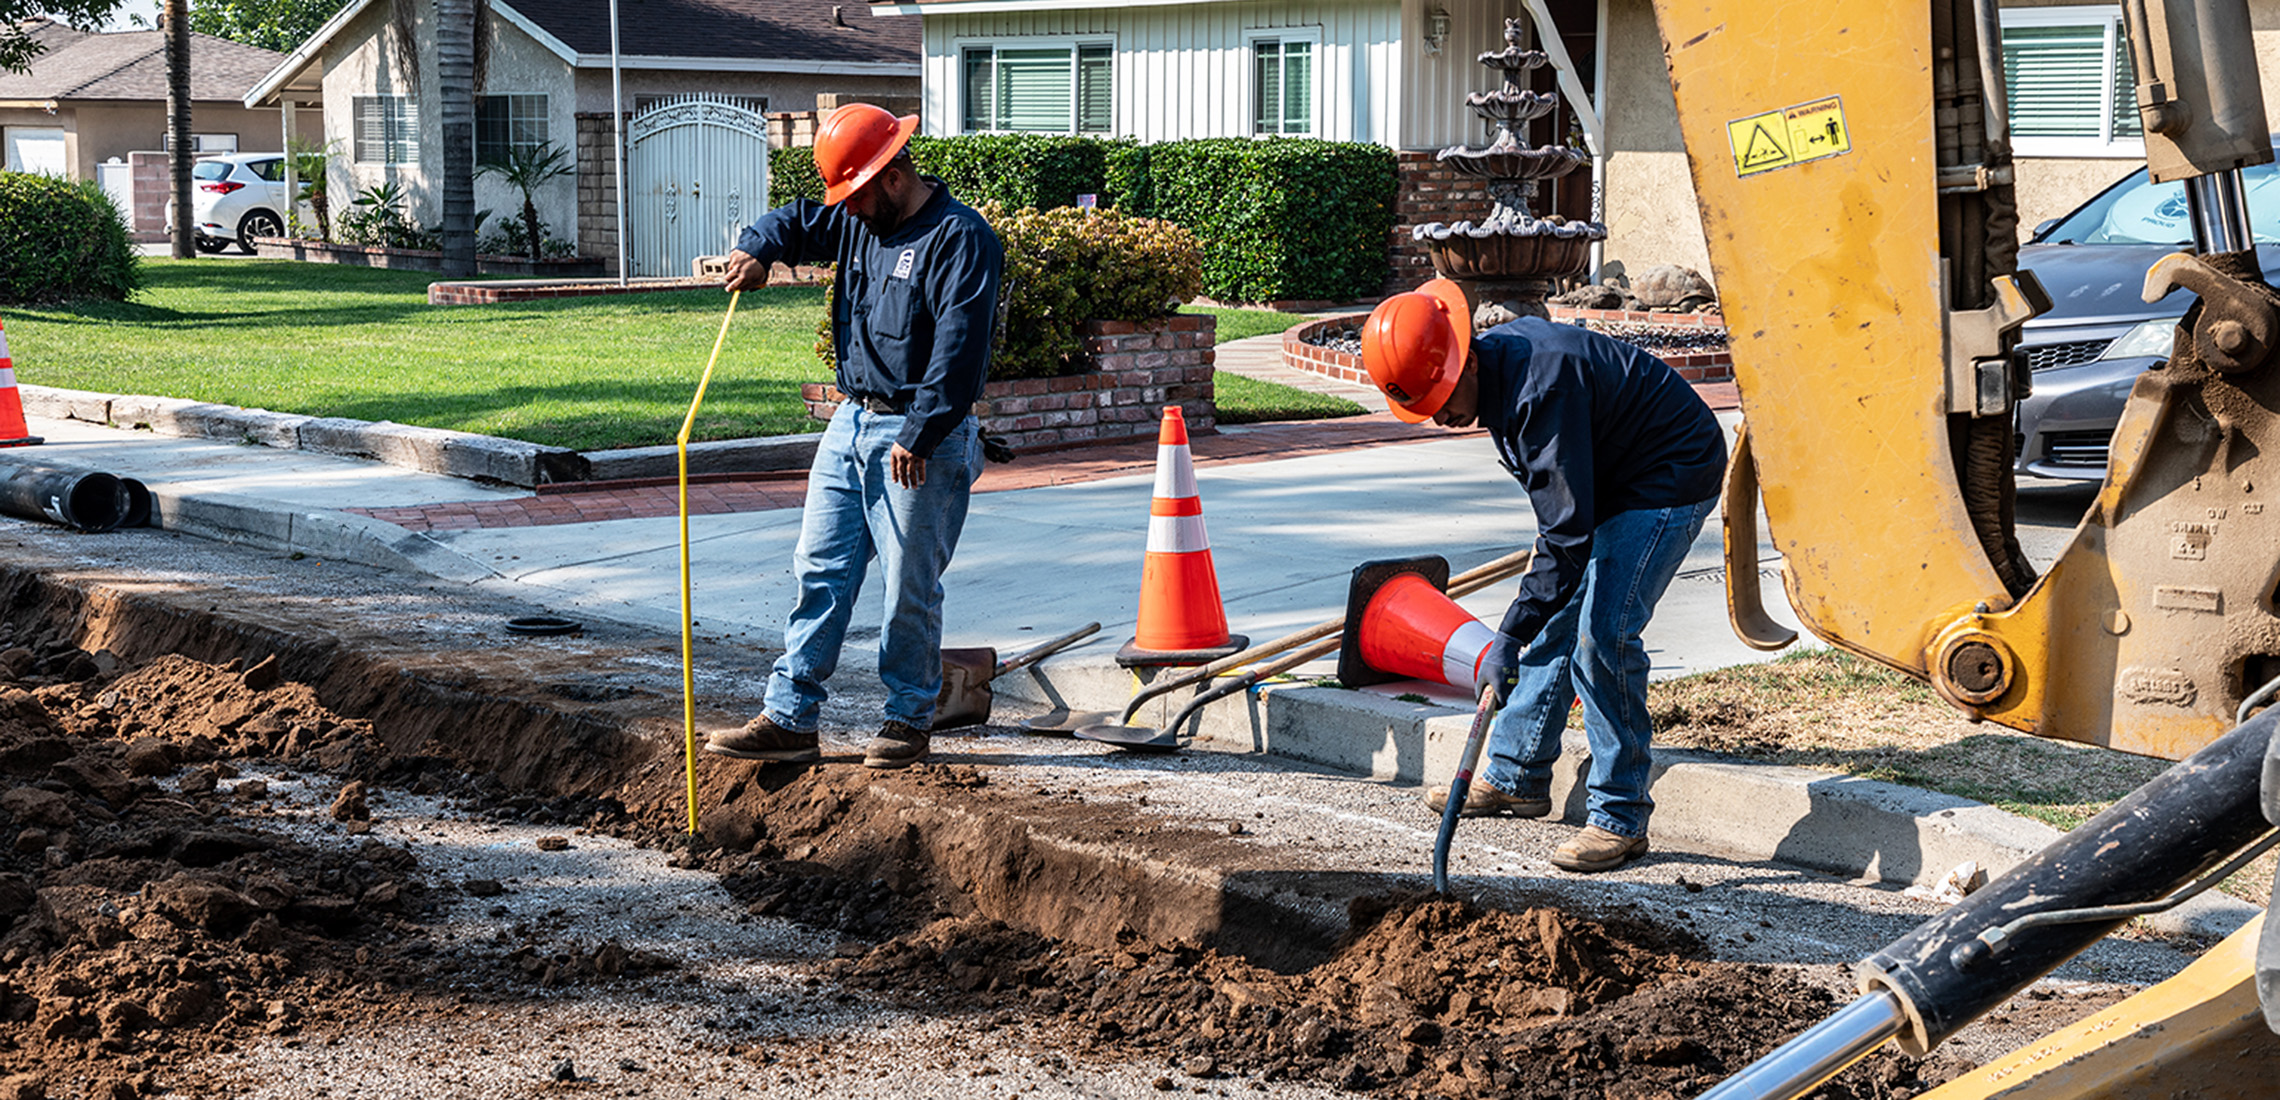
{"type": "Point", "coordinates": [898, 745]}
{"type": "Point", "coordinates": [762, 739]}
{"type": "Point", "coordinates": [1595, 849]}
{"type": "Point", "coordinates": [1484, 800]}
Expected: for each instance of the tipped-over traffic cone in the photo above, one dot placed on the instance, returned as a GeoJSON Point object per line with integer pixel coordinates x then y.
{"type": "Point", "coordinates": [1401, 625]}
{"type": "Point", "coordinates": [13, 431]}
{"type": "Point", "coordinates": [1181, 619]}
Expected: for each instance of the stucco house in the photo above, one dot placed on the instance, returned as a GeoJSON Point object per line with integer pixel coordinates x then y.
{"type": "Point", "coordinates": [546, 77]}
{"type": "Point", "coordinates": [1395, 72]}
{"type": "Point", "coordinates": [93, 107]}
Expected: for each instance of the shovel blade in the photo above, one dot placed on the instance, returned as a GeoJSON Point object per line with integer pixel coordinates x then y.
{"type": "Point", "coordinates": [1062, 723]}
{"type": "Point", "coordinates": [1135, 738]}
{"type": "Point", "coordinates": [966, 693]}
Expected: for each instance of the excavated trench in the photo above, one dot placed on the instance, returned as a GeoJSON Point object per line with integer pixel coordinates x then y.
{"type": "Point", "coordinates": [150, 920]}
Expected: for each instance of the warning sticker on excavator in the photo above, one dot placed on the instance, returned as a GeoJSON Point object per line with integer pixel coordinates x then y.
{"type": "Point", "coordinates": [1792, 135]}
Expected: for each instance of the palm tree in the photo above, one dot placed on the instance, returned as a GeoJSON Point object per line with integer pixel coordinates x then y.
{"type": "Point", "coordinates": [176, 19]}
{"type": "Point", "coordinates": [525, 168]}
{"type": "Point", "coordinates": [455, 90]}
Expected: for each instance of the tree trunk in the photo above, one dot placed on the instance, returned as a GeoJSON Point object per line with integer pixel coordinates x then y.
{"type": "Point", "coordinates": [455, 93]}
{"type": "Point", "coordinates": [176, 17]}
{"type": "Point", "coordinates": [530, 226]}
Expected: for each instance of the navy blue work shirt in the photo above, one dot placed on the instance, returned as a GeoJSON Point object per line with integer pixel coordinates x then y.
{"type": "Point", "coordinates": [1591, 426]}
{"type": "Point", "coordinates": [913, 312]}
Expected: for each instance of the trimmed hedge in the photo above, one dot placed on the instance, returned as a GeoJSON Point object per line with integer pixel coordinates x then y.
{"type": "Point", "coordinates": [1280, 218]}
{"type": "Point", "coordinates": [64, 241]}
{"type": "Point", "coordinates": [1066, 266]}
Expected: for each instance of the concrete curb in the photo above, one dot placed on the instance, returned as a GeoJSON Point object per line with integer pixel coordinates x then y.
{"type": "Point", "coordinates": [316, 533]}
{"type": "Point", "coordinates": [725, 456]}
{"type": "Point", "coordinates": [431, 450]}
{"type": "Point", "coordinates": [1857, 829]}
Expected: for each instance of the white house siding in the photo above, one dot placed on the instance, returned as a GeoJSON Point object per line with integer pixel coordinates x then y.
{"type": "Point", "coordinates": [1184, 71]}
{"type": "Point", "coordinates": [364, 62]}
{"type": "Point", "coordinates": [1434, 90]}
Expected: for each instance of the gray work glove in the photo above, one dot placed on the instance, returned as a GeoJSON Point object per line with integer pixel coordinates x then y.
{"type": "Point", "coordinates": [1500, 668]}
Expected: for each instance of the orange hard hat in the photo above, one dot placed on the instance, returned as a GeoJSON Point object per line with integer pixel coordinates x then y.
{"type": "Point", "coordinates": [1414, 346]}
{"type": "Point", "coordinates": [854, 143]}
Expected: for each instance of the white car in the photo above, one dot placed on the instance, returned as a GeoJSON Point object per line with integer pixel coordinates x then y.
{"type": "Point", "coordinates": [236, 198]}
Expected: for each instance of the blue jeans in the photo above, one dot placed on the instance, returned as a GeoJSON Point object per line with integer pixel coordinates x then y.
{"type": "Point", "coordinates": [1633, 557]}
{"type": "Point", "coordinates": [854, 512]}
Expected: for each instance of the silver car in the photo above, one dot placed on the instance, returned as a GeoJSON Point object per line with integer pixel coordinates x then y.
{"type": "Point", "coordinates": [2089, 349]}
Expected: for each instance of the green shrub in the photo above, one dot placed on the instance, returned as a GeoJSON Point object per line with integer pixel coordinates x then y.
{"type": "Point", "coordinates": [1066, 266]}
{"type": "Point", "coordinates": [792, 175]}
{"type": "Point", "coordinates": [1280, 218]}
{"type": "Point", "coordinates": [1013, 170]}
{"type": "Point", "coordinates": [63, 241]}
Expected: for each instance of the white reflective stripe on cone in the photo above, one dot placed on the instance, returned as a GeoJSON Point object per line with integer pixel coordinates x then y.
{"type": "Point", "coordinates": [1176, 535]}
{"type": "Point", "coordinates": [7, 377]}
{"type": "Point", "coordinates": [3, 343]}
{"type": "Point", "coordinates": [1460, 657]}
{"type": "Point", "coordinates": [1175, 473]}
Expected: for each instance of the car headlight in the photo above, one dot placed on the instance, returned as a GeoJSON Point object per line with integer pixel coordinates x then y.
{"type": "Point", "coordinates": [2151, 338]}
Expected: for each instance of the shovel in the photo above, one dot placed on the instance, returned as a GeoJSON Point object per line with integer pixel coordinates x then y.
{"type": "Point", "coordinates": [1465, 583]}
{"type": "Point", "coordinates": [1151, 739]}
{"type": "Point", "coordinates": [966, 674]}
{"type": "Point", "coordinates": [1460, 787]}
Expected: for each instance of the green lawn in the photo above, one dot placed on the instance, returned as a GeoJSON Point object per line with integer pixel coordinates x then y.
{"type": "Point", "coordinates": [1235, 324]}
{"type": "Point", "coordinates": [586, 373]}
{"type": "Point", "coordinates": [1244, 400]}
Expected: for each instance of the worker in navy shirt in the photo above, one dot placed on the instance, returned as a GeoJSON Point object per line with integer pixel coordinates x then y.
{"type": "Point", "coordinates": [911, 325]}
{"type": "Point", "coordinates": [1622, 464]}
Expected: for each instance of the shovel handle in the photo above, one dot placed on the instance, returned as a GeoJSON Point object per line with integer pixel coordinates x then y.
{"type": "Point", "coordinates": [1470, 581]}
{"type": "Point", "coordinates": [1460, 787]}
{"type": "Point", "coordinates": [1221, 691]}
{"type": "Point", "coordinates": [1022, 660]}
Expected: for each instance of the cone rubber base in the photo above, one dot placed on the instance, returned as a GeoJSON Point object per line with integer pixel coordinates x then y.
{"type": "Point", "coordinates": [1368, 578]}
{"type": "Point", "coordinates": [27, 441]}
{"type": "Point", "coordinates": [1132, 656]}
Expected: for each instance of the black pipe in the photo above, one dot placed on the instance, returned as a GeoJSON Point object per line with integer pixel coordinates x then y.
{"type": "Point", "coordinates": [87, 500]}
{"type": "Point", "coordinates": [2161, 836]}
{"type": "Point", "coordinates": [138, 503]}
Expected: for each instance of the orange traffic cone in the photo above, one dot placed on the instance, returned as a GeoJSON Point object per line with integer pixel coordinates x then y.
{"type": "Point", "coordinates": [13, 431]}
{"type": "Point", "coordinates": [1400, 625]}
{"type": "Point", "coordinates": [1181, 619]}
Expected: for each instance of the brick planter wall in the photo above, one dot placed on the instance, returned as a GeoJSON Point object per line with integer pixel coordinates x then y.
{"type": "Point", "coordinates": [1699, 366]}
{"type": "Point", "coordinates": [1140, 367]}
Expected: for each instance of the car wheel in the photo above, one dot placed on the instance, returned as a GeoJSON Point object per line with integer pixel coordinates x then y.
{"type": "Point", "coordinates": [260, 223]}
{"type": "Point", "coordinates": [208, 245]}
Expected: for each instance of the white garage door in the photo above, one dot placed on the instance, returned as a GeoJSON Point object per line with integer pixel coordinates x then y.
{"type": "Point", "coordinates": [36, 150]}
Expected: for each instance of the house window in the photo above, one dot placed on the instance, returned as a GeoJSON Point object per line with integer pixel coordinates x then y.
{"type": "Point", "coordinates": [1282, 86]}
{"type": "Point", "coordinates": [387, 129]}
{"type": "Point", "coordinates": [1061, 89]}
{"type": "Point", "coordinates": [504, 123]}
{"type": "Point", "coordinates": [2069, 84]}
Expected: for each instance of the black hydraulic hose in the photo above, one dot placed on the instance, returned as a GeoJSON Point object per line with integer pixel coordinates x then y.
{"type": "Point", "coordinates": [2166, 833]}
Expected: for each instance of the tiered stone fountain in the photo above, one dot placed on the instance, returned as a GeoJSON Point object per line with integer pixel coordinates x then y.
{"type": "Point", "coordinates": [1509, 263]}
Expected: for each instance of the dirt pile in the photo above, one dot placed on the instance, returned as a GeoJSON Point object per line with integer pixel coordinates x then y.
{"type": "Point", "coordinates": [1429, 998]}
{"type": "Point", "coordinates": [141, 918]}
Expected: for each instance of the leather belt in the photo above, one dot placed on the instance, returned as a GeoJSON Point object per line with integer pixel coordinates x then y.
{"type": "Point", "coordinates": [881, 405]}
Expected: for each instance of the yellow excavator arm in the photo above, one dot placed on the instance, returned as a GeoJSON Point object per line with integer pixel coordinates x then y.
{"type": "Point", "coordinates": [1853, 166]}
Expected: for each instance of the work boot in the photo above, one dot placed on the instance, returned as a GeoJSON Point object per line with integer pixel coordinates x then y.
{"type": "Point", "coordinates": [1595, 849]}
{"type": "Point", "coordinates": [762, 739]}
{"type": "Point", "coordinates": [1484, 800]}
{"type": "Point", "coordinates": [898, 745]}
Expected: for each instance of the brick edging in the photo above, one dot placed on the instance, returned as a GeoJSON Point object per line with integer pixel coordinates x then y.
{"type": "Point", "coordinates": [1698, 366]}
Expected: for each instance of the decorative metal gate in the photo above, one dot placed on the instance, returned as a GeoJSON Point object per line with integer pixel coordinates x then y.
{"type": "Point", "coordinates": [697, 173]}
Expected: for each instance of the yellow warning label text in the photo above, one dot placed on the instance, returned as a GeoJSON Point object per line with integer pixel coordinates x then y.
{"type": "Point", "coordinates": [1792, 135]}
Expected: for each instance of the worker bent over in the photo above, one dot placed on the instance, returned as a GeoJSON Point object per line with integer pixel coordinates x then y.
{"type": "Point", "coordinates": [911, 327]}
{"type": "Point", "coordinates": [1622, 464]}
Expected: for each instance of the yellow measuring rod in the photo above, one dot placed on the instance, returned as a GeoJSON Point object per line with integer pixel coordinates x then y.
{"type": "Point", "coordinates": [688, 611]}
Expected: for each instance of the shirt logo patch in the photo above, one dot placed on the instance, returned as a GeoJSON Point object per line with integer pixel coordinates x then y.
{"type": "Point", "coordinates": [903, 263]}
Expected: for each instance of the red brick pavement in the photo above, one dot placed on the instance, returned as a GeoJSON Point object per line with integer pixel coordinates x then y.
{"type": "Point", "coordinates": [722, 494]}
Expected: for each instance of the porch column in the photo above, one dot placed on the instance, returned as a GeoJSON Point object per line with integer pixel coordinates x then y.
{"type": "Point", "coordinates": [292, 173]}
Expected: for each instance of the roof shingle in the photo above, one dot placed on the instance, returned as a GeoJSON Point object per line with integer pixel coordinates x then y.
{"type": "Point", "coordinates": [790, 30]}
{"type": "Point", "coordinates": [132, 65]}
